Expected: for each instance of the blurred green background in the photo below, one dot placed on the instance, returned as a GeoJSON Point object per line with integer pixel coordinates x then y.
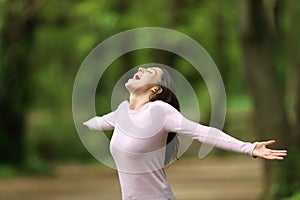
{"type": "Point", "coordinates": [255, 44]}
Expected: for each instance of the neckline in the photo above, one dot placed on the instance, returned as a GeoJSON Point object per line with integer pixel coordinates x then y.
{"type": "Point", "coordinates": [142, 107]}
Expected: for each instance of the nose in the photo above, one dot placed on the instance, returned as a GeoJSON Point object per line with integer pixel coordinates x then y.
{"type": "Point", "coordinates": [141, 69]}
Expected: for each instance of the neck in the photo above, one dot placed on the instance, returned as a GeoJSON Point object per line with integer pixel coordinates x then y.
{"type": "Point", "coordinates": [137, 100]}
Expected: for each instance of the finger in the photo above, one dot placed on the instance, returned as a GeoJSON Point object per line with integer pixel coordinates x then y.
{"type": "Point", "coordinates": [276, 152]}
{"type": "Point", "coordinates": [275, 158]}
{"type": "Point", "coordinates": [279, 151]}
{"type": "Point", "coordinates": [279, 154]}
{"type": "Point", "coordinates": [270, 142]}
{"type": "Point", "coordinates": [271, 157]}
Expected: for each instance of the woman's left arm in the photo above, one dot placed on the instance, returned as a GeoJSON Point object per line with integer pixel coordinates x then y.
{"type": "Point", "coordinates": [176, 122]}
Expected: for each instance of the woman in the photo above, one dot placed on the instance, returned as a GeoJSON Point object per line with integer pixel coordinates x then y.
{"type": "Point", "coordinates": [149, 120]}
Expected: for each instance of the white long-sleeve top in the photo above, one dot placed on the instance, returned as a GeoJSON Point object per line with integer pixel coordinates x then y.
{"type": "Point", "coordinates": [138, 145]}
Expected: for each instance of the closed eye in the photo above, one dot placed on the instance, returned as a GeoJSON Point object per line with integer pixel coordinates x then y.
{"type": "Point", "coordinates": [151, 71]}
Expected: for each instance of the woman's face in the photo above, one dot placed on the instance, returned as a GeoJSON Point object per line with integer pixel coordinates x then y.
{"type": "Point", "coordinates": [144, 79]}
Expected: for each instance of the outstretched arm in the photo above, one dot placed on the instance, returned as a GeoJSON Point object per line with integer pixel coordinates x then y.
{"type": "Point", "coordinates": [262, 151]}
{"type": "Point", "coordinates": [105, 122]}
{"type": "Point", "coordinates": [175, 122]}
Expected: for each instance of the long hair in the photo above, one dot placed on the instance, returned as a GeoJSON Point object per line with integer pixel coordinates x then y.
{"type": "Point", "coordinates": [168, 95]}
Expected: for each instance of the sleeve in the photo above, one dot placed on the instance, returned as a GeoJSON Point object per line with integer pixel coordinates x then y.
{"type": "Point", "coordinates": [176, 122]}
{"type": "Point", "coordinates": [103, 123]}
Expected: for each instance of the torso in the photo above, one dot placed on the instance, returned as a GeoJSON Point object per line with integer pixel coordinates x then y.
{"type": "Point", "coordinates": [137, 146]}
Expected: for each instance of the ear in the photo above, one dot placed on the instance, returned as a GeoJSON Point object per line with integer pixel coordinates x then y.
{"type": "Point", "coordinates": [156, 90]}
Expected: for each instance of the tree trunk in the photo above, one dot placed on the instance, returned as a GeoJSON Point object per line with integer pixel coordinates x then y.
{"type": "Point", "coordinates": [259, 45]}
{"type": "Point", "coordinates": [289, 183]}
{"type": "Point", "coordinates": [294, 62]}
{"type": "Point", "coordinates": [14, 79]}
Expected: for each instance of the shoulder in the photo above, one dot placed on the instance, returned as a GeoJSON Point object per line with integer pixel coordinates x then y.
{"type": "Point", "coordinates": [123, 104]}
{"type": "Point", "coordinates": [120, 107]}
{"type": "Point", "coordinates": [163, 105]}
{"type": "Point", "coordinates": [160, 103]}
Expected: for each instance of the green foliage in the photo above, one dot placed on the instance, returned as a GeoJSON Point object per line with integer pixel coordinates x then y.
{"type": "Point", "coordinates": [7, 171]}
{"type": "Point", "coordinates": [294, 197]}
{"type": "Point", "coordinates": [2, 8]}
{"type": "Point", "coordinates": [52, 141]}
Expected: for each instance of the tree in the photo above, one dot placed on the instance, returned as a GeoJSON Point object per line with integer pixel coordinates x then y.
{"type": "Point", "coordinates": [259, 33]}
{"type": "Point", "coordinates": [16, 35]}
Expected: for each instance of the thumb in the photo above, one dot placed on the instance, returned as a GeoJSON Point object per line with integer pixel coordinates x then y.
{"type": "Point", "coordinates": [270, 142]}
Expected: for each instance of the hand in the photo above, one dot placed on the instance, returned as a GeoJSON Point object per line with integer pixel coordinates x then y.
{"type": "Point", "coordinates": [262, 151]}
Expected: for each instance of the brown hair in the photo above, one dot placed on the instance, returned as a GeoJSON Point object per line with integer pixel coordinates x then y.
{"type": "Point", "coordinates": [168, 95]}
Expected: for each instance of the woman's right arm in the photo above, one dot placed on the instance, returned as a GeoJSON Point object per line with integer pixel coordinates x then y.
{"type": "Point", "coordinates": [103, 123]}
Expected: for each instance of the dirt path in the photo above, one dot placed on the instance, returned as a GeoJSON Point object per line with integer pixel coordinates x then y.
{"type": "Point", "coordinates": [238, 178]}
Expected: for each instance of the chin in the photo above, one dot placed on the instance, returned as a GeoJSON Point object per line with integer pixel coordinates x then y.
{"type": "Point", "coordinates": [126, 85]}
{"type": "Point", "coordinates": [129, 85]}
